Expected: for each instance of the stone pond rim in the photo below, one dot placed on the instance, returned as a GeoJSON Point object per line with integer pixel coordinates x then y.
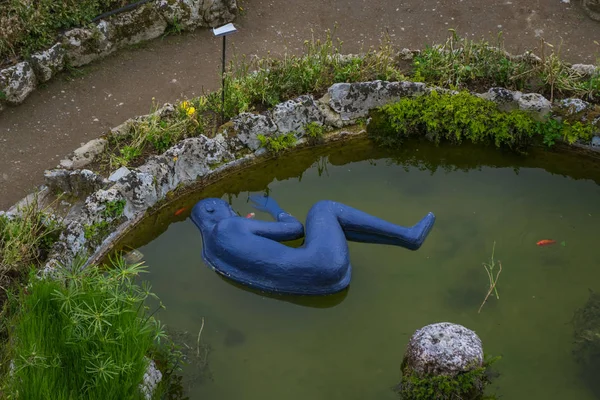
{"type": "Point", "coordinates": [197, 161]}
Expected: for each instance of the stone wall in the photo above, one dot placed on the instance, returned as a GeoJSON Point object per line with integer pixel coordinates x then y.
{"type": "Point", "coordinates": [81, 46]}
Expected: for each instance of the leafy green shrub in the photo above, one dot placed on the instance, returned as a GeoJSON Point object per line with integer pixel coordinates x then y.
{"type": "Point", "coordinates": [85, 335]}
{"type": "Point", "coordinates": [30, 25]}
{"type": "Point", "coordinates": [444, 116]}
{"type": "Point", "coordinates": [276, 144]}
{"type": "Point", "coordinates": [315, 131]}
{"type": "Point", "coordinates": [454, 118]}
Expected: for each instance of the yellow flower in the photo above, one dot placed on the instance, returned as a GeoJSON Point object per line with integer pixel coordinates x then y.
{"type": "Point", "coordinates": [185, 105]}
{"type": "Point", "coordinates": [191, 111]}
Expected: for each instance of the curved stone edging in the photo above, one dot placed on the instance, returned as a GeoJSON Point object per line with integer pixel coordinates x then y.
{"type": "Point", "coordinates": [236, 146]}
{"type": "Point", "coordinates": [81, 46]}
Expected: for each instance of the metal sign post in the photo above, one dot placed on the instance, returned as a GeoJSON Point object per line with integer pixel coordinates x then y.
{"type": "Point", "coordinates": [224, 31]}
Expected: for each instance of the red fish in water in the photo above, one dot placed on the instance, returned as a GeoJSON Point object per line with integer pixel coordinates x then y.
{"type": "Point", "coordinates": [251, 215]}
{"type": "Point", "coordinates": [546, 242]}
{"type": "Point", "coordinates": [180, 211]}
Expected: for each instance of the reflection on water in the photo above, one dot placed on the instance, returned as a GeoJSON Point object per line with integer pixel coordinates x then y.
{"type": "Point", "coordinates": [350, 345]}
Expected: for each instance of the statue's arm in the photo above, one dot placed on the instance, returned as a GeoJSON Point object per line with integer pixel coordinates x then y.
{"type": "Point", "coordinates": [286, 228]}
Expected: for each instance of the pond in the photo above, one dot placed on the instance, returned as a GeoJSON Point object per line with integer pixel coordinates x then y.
{"type": "Point", "coordinates": [350, 345]}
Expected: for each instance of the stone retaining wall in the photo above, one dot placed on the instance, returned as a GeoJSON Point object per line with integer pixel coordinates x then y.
{"type": "Point", "coordinates": [81, 46]}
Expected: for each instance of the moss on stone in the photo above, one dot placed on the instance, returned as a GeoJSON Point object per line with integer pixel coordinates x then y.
{"type": "Point", "coordinates": [469, 385]}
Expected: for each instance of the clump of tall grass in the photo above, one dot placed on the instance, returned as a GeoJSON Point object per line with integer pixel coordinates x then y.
{"type": "Point", "coordinates": [25, 239]}
{"type": "Point", "coordinates": [84, 335]}
{"type": "Point", "coordinates": [461, 62]}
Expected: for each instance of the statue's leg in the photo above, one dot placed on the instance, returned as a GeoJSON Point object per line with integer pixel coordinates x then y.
{"type": "Point", "coordinates": [326, 218]}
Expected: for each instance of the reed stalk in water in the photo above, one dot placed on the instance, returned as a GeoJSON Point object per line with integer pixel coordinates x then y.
{"type": "Point", "coordinates": [489, 269]}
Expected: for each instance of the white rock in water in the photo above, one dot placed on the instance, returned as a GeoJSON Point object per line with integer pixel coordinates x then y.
{"type": "Point", "coordinates": [443, 349]}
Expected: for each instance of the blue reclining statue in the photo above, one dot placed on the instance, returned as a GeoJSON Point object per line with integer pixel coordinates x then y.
{"type": "Point", "coordinates": [249, 251]}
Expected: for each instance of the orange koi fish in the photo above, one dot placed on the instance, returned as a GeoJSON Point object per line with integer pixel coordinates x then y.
{"type": "Point", "coordinates": [180, 211]}
{"type": "Point", "coordinates": [546, 242]}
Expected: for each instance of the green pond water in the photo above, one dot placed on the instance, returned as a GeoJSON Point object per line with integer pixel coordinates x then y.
{"type": "Point", "coordinates": [350, 346]}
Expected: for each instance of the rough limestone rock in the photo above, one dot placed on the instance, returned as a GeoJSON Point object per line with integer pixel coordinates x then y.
{"type": "Point", "coordinates": [596, 142]}
{"type": "Point", "coordinates": [331, 118]}
{"type": "Point", "coordinates": [354, 100]}
{"type": "Point", "coordinates": [248, 126]}
{"type": "Point", "coordinates": [118, 174]}
{"type": "Point", "coordinates": [70, 244]}
{"type": "Point", "coordinates": [294, 115]}
{"type": "Point", "coordinates": [95, 206]}
{"type": "Point", "coordinates": [195, 157]}
{"type": "Point", "coordinates": [79, 183]}
{"type": "Point", "coordinates": [152, 378]}
{"type": "Point", "coordinates": [82, 46]}
{"type": "Point", "coordinates": [162, 168]}
{"type": "Point", "coordinates": [586, 70]}
{"type": "Point", "coordinates": [186, 13]}
{"type": "Point", "coordinates": [141, 24]}
{"type": "Point", "coordinates": [17, 82]}
{"type": "Point", "coordinates": [501, 95]}
{"type": "Point", "coordinates": [443, 349]}
{"type": "Point", "coordinates": [534, 102]}
{"type": "Point", "coordinates": [138, 190]}
{"type": "Point", "coordinates": [218, 12]}
{"type": "Point", "coordinates": [574, 105]}
{"type": "Point", "coordinates": [84, 155]}
{"type": "Point", "coordinates": [48, 63]}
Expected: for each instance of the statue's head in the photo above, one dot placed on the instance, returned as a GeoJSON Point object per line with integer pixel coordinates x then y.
{"type": "Point", "coordinates": [206, 213]}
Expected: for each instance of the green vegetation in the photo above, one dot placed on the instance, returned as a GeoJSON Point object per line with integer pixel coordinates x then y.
{"type": "Point", "coordinates": [276, 144]}
{"type": "Point", "coordinates": [156, 134]}
{"type": "Point", "coordinates": [493, 280]}
{"type": "Point", "coordinates": [27, 25]}
{"type": "Point", "coordinates": [461, 62]}
{"type": "Point", "coordinates": [97, 231]}
{"type": "Point", "coordinates": [315, 132]}
{"type": "Point", "coordinates": [268, 81]}
{"type": "Point", "coordinates": [466, 386]}
{"type": "Point", "coordinates": [25, 240]}
{"type": "Point", "coordinates": [85, 334]}
{"type": "Point", "coordinates": [455, 117]}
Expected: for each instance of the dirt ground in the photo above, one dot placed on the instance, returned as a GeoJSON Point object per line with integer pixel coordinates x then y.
{"type": "Point", "coordinates": [67, 112]}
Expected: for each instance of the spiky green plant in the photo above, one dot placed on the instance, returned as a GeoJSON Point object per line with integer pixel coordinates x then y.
{"type": "Point", "coordinates": [85, 334]}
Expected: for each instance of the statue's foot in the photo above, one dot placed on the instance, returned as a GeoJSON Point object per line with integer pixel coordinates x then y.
{"type": "Point", "coordinates": [421, 230]}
